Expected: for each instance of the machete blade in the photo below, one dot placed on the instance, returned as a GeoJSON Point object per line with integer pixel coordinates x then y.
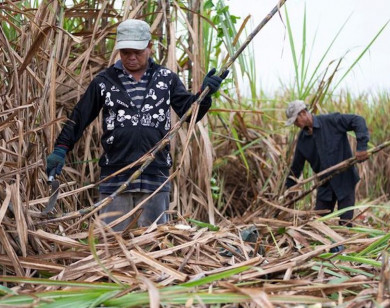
{"type": "Point", "coordinates": [54, 190]}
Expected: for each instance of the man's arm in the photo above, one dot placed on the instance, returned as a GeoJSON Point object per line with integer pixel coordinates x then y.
{"type": "Point", "coordinates": [356, 123]}
{"type": "Point", "coordinates": [181, 99]}
{"type": "Point", "coordinates": [85, 111]}
{"type": "Point", "coordinates": [296, 168]}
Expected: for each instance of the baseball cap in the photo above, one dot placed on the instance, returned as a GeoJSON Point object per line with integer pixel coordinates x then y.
{"type": "Point", "coordinates": [293, 109]}
{"type": "Point", "coordinates": [133, 34]}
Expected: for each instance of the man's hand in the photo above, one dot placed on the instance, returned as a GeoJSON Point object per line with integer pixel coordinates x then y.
{"type": "Point", "coordinates": [213, 81]}
{"type": "Point", "coordinates": [56, 160]}
{"type": "Point", "coordinates": [291, 196]}
{"type": "Point", "coordinates": [361, 156]}
{"type": "Point", "coordinates": [288, 195]}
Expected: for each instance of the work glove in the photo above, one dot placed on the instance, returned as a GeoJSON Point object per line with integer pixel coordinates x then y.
{"type": "Point", "coordinates": [55, 161]}
{"type": "Point", "coordinates": [338, 248]}
{"type": "Point", "coordinates": [213, 81]}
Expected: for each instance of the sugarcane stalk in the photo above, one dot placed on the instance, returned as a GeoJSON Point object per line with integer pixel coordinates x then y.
{"type": "Point", "coordinates": [149, 157]}
{"type": "Point", "coordinates": [252, 35]}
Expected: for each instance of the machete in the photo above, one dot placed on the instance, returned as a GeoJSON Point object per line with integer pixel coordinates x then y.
{"type": "Point", "coordinates": [54, 190]}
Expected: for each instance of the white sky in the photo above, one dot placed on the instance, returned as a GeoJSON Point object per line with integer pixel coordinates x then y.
{"type": "Point", "coordinates": [326, 17]}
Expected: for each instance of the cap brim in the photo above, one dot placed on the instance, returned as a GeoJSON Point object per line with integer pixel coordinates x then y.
{"type": "Point", "coordinates": [132, 45]}
{"type": "Point", "coordinates": [290, 121]}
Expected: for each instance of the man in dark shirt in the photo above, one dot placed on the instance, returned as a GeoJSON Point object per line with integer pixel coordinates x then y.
{"type": "Point", "coordinates": [323, 142]}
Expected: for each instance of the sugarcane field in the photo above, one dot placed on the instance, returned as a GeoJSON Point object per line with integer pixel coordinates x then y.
{"type": "Point", "coordinates": [144, 164]}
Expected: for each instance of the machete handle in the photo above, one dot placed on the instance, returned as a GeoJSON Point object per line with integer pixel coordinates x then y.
{"type": "Point", "coordinates": [52, 175]}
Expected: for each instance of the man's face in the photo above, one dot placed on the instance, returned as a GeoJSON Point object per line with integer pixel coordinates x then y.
{"type": "Point", "coordinates": [302, 119]}
{"type": "Point", "coordinates": [135, 60]}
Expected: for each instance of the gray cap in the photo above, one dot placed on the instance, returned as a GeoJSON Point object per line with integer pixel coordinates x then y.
{"type": "Point", "coordinates": [133, 34]}
{"type": "Point", "coordinates": [292, 111]}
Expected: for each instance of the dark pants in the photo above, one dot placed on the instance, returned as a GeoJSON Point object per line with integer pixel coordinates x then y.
{"type": "Point", "coordinates": [342, 204]}
{"type": "Point", "coordinates": [125, 202]}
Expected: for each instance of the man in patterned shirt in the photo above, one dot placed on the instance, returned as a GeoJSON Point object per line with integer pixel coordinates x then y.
{"type": "Point", "coordinates": [136, 95]}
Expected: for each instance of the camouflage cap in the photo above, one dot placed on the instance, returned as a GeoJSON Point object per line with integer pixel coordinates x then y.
{"type": "Point", "coordinates": [133, 34]}
{"type": "Point", "coordinates": [292, 111]}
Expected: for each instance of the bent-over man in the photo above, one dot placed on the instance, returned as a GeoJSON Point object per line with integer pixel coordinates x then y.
{"type": "Point", "coordinates": [323, 142]}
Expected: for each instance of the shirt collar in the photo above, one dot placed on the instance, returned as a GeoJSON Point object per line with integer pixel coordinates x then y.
{"type": "Point", "coordinates": [119, 66]}
{"type": "Point", "coordinates": [316, 123]}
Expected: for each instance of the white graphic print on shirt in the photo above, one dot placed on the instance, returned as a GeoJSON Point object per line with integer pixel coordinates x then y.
{"type": "Point", "coordinates": [122, 116]}
{"type": "Point", "coordinates": [160, 102]}
{"type": "Point", "coordinates": [165, 72]}
{"type": "Point", "coordinates": [168, 122]}
{"type": "Point", "coordinates": [108, 100]}
{"type": "Point", "coordinates": [169, 160]}
{"type": "Point", "coordinates": [102, 86]}
{"type": "Point", "coordinates": [161, 85]}
{"type": "Point", "coordinates": [114, 89]}
{"type": "Point", "coordinates": [151, 94]}
{"type": "Point", "coordinates": [146, 119]}
{"type": "Point", "coordinates": [110, 120]}
{"type": "Point", "coordinates": [160, 116]}
{"type": "Point", "coordinates": [134, 120]}
{"type": "Point", "coordinates": [146, 108]}
{"type": "Point", "coordinates": [110, 140]}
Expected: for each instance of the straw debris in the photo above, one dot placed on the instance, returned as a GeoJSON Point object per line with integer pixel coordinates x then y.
{"type": "Point", "coordinates": [254, 248]}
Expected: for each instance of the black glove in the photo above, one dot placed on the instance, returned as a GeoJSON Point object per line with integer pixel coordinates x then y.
{"type": "Point", "coordinates": [56, 160]}
{"type": "Point", "coordinates": [213, 81]}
